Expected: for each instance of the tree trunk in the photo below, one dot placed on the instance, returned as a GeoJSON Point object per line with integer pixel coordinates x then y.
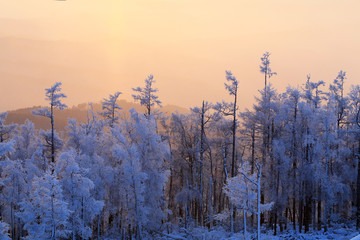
{"type": "Point", "coordinates": [52, 135]}
{"type": "Point", "coordinates": [210, 204]}
{"type": "Point", "coordinates": [286, 216]}
{"type": "Point", "coordinates": [258, 202]}
{"type": "Point", "coordinates": [170, 203]}
{"type": "Point", "coordinates": [358, 193]}
{"type": "Point", "coordinates": [98, 227]}
{"type": "Point", "coordinates": [294, 214]}
{"type": "Point", "coordinates": [319, 211]}
{"type": "Point", "coordinates": [307, 213]}
{"type": "Point", "coordinates": [275, 222]}
{"type": "Point", "coordinates": [301, 212]}
{"type": "Point", "coordinates": [244, 223]}
{"type": "Point", "coordinates": [233, 137]}
{"type": "Point", "coordinates": [201, 217]}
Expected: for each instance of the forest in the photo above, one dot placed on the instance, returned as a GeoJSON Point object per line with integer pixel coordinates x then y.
{"type": "Point", "coordinates": [287, 168]}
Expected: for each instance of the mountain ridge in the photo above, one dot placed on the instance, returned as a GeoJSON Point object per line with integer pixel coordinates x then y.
{"type": "Point", "coordinates": [78, 112]}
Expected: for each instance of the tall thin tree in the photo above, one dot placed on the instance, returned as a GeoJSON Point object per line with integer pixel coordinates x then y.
{"type": "Point", "coordinates": [146, 95]}
{"type": "Point", "coordinates": [110, 108]}
{"type": "Point", "coordinates": [265, 67]}
{"type": "Point", "coordinates": [54, 96]}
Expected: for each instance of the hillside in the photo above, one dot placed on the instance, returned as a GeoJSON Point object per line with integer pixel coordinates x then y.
{"type": "Point", "coordinates": [78, 112]}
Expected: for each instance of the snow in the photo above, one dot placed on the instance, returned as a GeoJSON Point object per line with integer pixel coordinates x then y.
{"type": "Point", "coordinates": [139, 175]}
{"type": "Point", "coordinates": [219, 233]}
{"type": "Point", "coordinates": [356, 238]}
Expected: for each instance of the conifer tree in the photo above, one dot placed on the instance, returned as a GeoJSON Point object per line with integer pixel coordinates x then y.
{"type": "Point", "coordinates": [146, 96]}
{"type": "Point", "coordinates": [110, 109]}
{"type": "Point", "coordinates": [54, 96]}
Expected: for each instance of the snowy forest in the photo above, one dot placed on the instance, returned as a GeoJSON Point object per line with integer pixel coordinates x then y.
{"type": "Point", "coordinates": [287, 168]}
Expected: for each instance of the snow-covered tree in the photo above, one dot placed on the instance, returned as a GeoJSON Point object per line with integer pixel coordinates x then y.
{"type": "Point", "coordinates": [45, 213]}
{"type": "Point", "coordinates": [230, 109]}
{"type": "Point", "coordinates": [312, 93]}
{"type": "Point", "coordinates": [135, 189]}
{"type": "Point", "coordinates": [26, 140]}
{"type": "Point", "coordinates": [4, 229]}
{"type": "Point", "coordinates": [5, 129]}
{"type": "Point", "coordinates": [54, 96]}
{"type": "Point", "coordinates": [110, 108]}
{"type": "Point", "coordinates": [5, 148]}
{"type": "Point", "coordinates": [11, 181]}
{"type": "Point", "coordinates": [185, 135]}
{"type": "Point", "coordinates": [13, 190]}
{"type": "Point", "coordinates": [337, 95]}
{"type": "Point", "coordinates": [17, 173]}
{"type": "Point", "coordinates": [142, 154]}
{"type": "Point", "coordinates": [266, 109]}
{"type": "Point", "coordinates": [88, 140]}
{"type": "Point", "coordinates": [354, 113]}
{"type": "Point", "coordinates": [77, 192]}
{"type": "Point", "coordinates": [244, 191]}
{"type": "Point", "coordinates": [265, 67]}
{"type": "Point", "coordinates": [204, 118]}
{"type": "Point", "coordinates": [146, 96]}
{"type": "Point", "coordinates": [51, 140]}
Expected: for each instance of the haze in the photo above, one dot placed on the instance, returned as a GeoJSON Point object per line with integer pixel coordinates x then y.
{"type": "Point", "coordinates": [98, 47]}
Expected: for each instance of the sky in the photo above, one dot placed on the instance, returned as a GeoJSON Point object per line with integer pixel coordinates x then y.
{"type": "Point", "coordinates": [96, 48]}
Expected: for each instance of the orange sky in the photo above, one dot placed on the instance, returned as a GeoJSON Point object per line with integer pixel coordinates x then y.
{"type": "Point", "coordinates": [98, 47]}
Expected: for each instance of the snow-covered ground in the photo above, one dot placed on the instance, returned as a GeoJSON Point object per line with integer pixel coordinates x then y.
{"type": "Point", "coordinates": [356, 238]}
{"type": "Point", "coordinates": [220, 234]}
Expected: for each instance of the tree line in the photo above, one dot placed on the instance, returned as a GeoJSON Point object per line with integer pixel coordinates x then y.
{"type": "Point", "coordinates": [289, 162]}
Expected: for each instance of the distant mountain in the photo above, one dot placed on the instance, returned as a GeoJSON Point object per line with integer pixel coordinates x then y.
{"type": "Point", "coordinates": [78, 112]}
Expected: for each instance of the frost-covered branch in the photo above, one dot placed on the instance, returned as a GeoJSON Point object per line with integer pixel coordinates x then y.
{"type": "Point", "coordinates": [110, 108]}
{"type": "Point", "coordinates": [146, 95]}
